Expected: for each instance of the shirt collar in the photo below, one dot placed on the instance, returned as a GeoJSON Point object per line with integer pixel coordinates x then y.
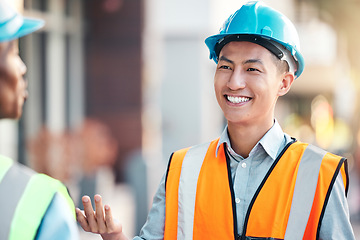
{"type": "Point", "coordinates": [271, 141]}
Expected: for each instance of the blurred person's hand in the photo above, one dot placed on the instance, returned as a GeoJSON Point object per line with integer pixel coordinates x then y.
{"type": "Point", "coordinates": [99, 221]}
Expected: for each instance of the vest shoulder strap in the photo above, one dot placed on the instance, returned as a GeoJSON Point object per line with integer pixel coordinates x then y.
{"type": "Point", "coordinates": [35, 201]}
{"type": "Point", "coordinates": [198, 195]}
{"type": "Point", "coordinates": [183, 172]}
{"type": "Point", "coordinates": [13, 183]}
{"type": "Point", "coordinates": [304, 192]}
{"type": "Point", "coordinates": [301, 178]}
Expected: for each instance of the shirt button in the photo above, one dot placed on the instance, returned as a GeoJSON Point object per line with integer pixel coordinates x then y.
{"type": "Point", "coordinates": [243, 165]}
{"type": "Point", "coordinates": [237, 200]}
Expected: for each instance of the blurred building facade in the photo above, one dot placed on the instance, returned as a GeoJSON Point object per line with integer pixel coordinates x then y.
{"type": "Point", "coordinates": [85, 63]}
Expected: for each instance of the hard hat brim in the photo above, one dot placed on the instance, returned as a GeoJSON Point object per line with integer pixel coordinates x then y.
{"type": "Point", "coordinates": [213, 40]}
{"type": "Point", "coordinates": [28, 26]}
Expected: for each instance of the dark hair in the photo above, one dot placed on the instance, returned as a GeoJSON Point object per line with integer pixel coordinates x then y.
{"type": "Point", "coordinates": [281, 65]}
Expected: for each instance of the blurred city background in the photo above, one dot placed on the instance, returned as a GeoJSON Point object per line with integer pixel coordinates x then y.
{"type": "Point", "coordinates": [117, 85]}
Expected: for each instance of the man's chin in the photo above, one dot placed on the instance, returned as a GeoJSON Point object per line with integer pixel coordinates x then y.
{"type": "Point", "coordinates": [17, 115]}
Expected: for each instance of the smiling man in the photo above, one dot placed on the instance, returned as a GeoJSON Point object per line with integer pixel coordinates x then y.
{"type": "Point", "coordinates": [255, 181]}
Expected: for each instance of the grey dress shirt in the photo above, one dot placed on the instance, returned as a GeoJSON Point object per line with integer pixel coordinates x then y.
{"type": "Point", "coordinates": [247, 174]}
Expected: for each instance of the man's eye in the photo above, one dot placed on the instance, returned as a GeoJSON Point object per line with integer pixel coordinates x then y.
{"type": "Point", "coordinates": [252, 69]}
{"type": "Point", "coordinates": [224, 67]}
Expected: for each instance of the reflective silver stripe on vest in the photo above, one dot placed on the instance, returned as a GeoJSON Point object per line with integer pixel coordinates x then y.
{"type": "Point", "coordinates": [187, 190]}
{"type": "Point", "coordinates": [12, 187]}
{"type": "Point", "coordinates": [304, 192]}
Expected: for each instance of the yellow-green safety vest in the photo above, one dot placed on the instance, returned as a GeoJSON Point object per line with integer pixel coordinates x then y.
{"type": "Point", "coordinates": [25, 197]}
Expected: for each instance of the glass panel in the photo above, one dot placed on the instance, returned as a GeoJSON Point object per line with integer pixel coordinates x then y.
{"type": "Point", "coordinates": [41, 5]}
{"type": "Point", "coordinates": [67, 81]}
{"type": "Point", "coordinates": [68, 7]}
{"type": "Point", "coordinates": [43, 63]}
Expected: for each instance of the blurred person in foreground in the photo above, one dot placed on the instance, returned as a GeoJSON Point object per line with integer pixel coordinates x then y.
{"type": "Point", "coordinates": [254, 181]}
{"type": "Point", "coordinates": [32, 205]}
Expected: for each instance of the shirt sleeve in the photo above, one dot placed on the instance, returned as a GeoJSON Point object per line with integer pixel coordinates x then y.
{"type": "Point", "coordinates": [58, 224]}
{"type": "Point", "coordinates": [155, 223]}
{"type": "Point", "coordinates": [336, 222]}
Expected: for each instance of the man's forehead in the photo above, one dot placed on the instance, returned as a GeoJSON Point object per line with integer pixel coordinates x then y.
{"type": "Point", "coordinates": [244, 47]}
{"type": "Point", "coordinates": [6, 46]}
{"type": "Point", "coordinates": [3, 46]}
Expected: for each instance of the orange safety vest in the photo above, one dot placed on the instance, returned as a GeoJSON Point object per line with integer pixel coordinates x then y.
{"type": "Point", "coordinates": [289, 203]}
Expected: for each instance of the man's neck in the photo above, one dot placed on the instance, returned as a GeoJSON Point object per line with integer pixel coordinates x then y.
{"type": "Point", "coordinates": [243, 138]}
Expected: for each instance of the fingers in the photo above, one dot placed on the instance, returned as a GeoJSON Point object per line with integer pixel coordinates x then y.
{"type": "Point", "coordinates": [98, 221]}
{"type": "Point", "coordinates": [82, 220]}
{"type": "Point", "coordinates": [109, 219]}
{"type": "Point", "coordinates": [95, 221]}
{"type": "Point", "coordinates": [113, 226]}
{"type": "Point", "coordinates": [99, 214]}
{"type": "Point", "coordinates": [90, 215]}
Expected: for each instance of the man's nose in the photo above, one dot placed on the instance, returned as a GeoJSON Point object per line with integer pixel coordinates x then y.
{"type": "Point", "coordinates": [236, 81]}
{"type": "Point", "coordinates": [23, 68]}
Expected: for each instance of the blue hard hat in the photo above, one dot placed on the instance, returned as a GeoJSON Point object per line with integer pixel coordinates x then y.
{"type": "Point", "coordinates": [258, 23]}
{"type": "Point", "coordinates": [13, 25]}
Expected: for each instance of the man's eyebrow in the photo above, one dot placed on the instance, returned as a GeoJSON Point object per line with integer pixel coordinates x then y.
{"type": "Point", "coordinates": [222, 58]}
{"type": "Point", "coordinates": [253, 61]}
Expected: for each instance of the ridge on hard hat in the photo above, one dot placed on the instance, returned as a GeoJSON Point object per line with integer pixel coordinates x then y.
{"type": "Point", "coordinates": [13, 25]}
{"type": "Point", "coordinates": [258, 23]}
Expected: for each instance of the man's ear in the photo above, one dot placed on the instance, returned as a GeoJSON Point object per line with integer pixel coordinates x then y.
{"type": "Point", "coordinates": [287, 81]}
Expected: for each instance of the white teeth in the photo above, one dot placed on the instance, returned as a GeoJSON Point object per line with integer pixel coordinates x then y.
{"type": "Point", "coordinates": [237, 99]}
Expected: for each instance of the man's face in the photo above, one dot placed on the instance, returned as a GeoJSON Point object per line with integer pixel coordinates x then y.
{"type": "Point", "coordinates": [247, 84]}
{"type": "Point", "coordinates": [12, 85]}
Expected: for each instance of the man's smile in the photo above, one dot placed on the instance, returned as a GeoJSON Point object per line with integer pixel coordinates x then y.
{"type": "Point", "coordinates": [235, 100]}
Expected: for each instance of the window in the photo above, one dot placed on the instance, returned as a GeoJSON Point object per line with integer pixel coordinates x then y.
{"type": "Point", "coordinates": [54, 58]}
